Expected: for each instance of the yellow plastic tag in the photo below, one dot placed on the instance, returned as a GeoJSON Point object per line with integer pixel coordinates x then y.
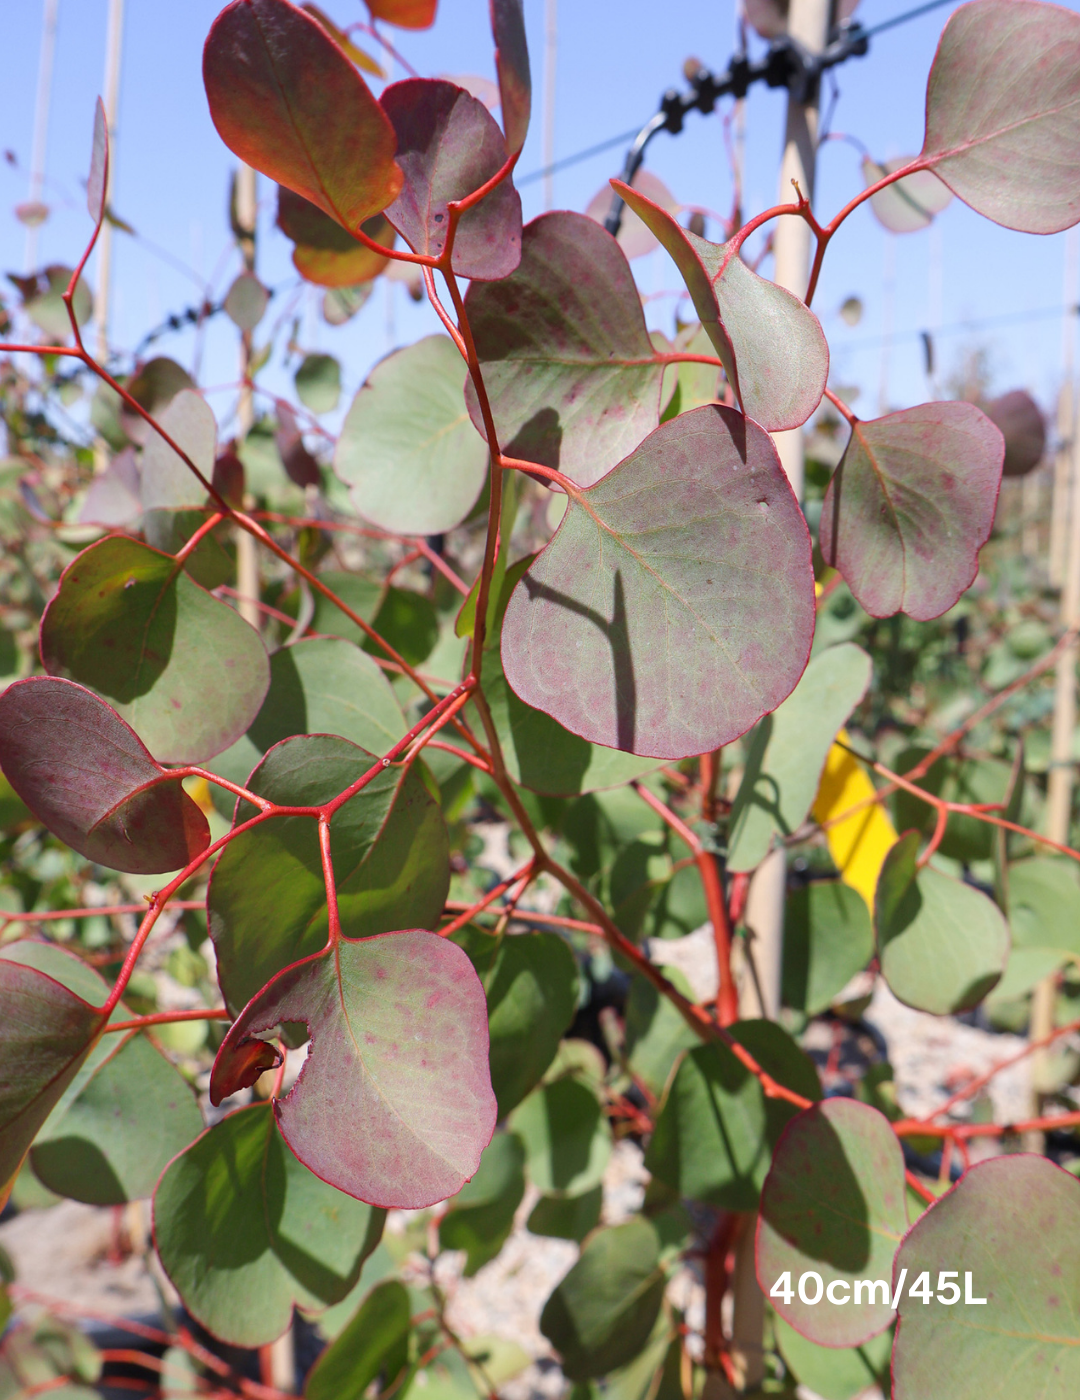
{"type": "Point", "coordinates": [859, 843]}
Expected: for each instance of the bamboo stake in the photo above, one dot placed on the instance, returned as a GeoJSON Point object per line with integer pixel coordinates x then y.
{"type": "Point", "coordinates": [114, 40]}
{"type": "Point", "coordinates": [247, 561]}
{"type": "Point", "coordinates": [42, 104]}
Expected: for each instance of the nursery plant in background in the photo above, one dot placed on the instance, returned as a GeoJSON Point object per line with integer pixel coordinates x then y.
{"type": "Point", "coordinates": [555, 580]}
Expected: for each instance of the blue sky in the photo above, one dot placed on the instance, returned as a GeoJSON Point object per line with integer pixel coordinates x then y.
{"type": "Point", "coordinates": [614, 61]}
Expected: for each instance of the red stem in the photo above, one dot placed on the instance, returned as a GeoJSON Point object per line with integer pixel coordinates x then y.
{"type": "Point", "coordinates": [168, 1018]}
{"type": "Point", "coordinates": [525, 873]}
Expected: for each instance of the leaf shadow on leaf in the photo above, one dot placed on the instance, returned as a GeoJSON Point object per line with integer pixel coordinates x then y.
{"type": "Point", "coordinates": [539, 440]}
{"type": "Point", "coordinates": [847, 1245]}
{"type": "Point", "coordinates": [617, 633]}
{"type": "Point", "coordinates": [80, 1160]}
{"type": "Point", "coordinates": [123, 684]}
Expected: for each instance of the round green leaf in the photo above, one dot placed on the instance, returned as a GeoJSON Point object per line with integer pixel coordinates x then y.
{"type": "Point", "coordinates": [601, 1314]}
{"type": "Point", "coordinates": [318, 383]}
{"type": "Point", "coordinates": [1044, 904]}
{"type": "Point", "coordinates": [245, 1231]}
{"type": "Point", "coordinates": [716, 1130]}
{"type": "Point", "coordinates": [943, 944]}
{"type": "Point", "coordinates": [394, 1104]}
{"type": "Point", "coordinates": [113, 1141]}
{"type": "Point", "coordinates": [374, 1343]}
{"type": "Point", "coordinates": [828, 938]}
{"type": "Point", "coordinates": [566, 1135]}
{"type": "Point", "coordinates": [480, 1217]}
{"type": "Point", "coordinates": [267, 898]}
{"type": "Point", "coordinates": [567, 360]}
{"type": "Point", "coordinates": [408, 452]}
{"type": "Point", "coordinates": [246, 301]}
{"type": "Point", "coordinates": [788, 750]}
{"type": "Point", "coordinates": [531, 984]}
{"type": "Point", "coordinates": [834, 1373]}
{"type": "Point", "coordinates": [656, 1033]}
{"type": "Point", "coordinates": [567, 1217]}
{"type": "Point", "coordinates": [674, 605]}
{"type": "Point", "coordinates": [1001, 112]}
{"type": "Point", "coordinates": [1011, 1225]}
{"type": "Point", "coordinates": [320, 685]}
{"type": "Point", "coordinates": [833, 1203]}
{"type": "Point", "coordinates": [911, 504]}
{"type": "Point", "coordinates": [129, 624]}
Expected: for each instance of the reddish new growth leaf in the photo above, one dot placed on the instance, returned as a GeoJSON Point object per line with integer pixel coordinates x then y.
{"type": "Point", "coordinates": [675, 604]}
{"type": "Point", "coordinates": [406, 14]}
{"type": "Point", "coordinates": [394, 1103]}
{"type": "Point", "coordinates": [86, 774]}
{"type": "Point", "coordinates": [45, 1034]}
{"type": "Point", "coordinates": [1003, 112]}
{"type": "Point", "coordinates": [448, 145]}
{"type": "Point", "coordinates": [512, 65]}
{"type": "Point", "coordinates": [910, 506]}
{"type": "Point", "coordinates": [286, 100]}
{"type": "Point", "coordinates": [325, 253]}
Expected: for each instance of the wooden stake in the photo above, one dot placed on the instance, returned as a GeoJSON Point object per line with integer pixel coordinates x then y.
{"type": "Point", "coordinates": [247, 560]}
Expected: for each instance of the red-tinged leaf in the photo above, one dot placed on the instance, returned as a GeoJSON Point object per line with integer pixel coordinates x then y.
{"type": "Point", "coordinates": [300, 465]}
{"type": "Point", "coordinates": [910, 506]}
{"type": "Point", "coordinates": [674, 605]}
{"type": "Point", "coordinates": [566, 355]}
{"type": "Point", "coordinates": [394, 1103]}
{"type": "Point", "coordinates": [1003, 112]}
{"type": "Point", "coordinates": [181, 667]}
{"type": "Point", "coordinates": [772, 346]}
{"type": "Point", "coordinates": [909, 204]}
{"type": "Point", "coordinates": [98, 184]}
{"type": "Point", "coordinates": [46, 1032]}
{"type": "Point", "coordinates": [84, 773]}
{"type": "Point", "coordinates": [1007, 1322]}
{"type": "Point", "coordinates": [286, 100]}
{"type": "Point", "coordinates": [330, 268]}
{"type": "Point", "coordinates": [833, 1202]}
{"type": "Point", "coordinates": [448, 145]}
{"type": "Point", "coordinates": [406, 14]}
{"type": "Point", "coordinates": [512, 66]}
{"type": "Point", "coordinates": [1023, 427]}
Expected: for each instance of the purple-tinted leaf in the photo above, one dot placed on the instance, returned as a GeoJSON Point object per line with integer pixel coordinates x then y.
{"type": "Point", "coordinates": [909, 204]}
{"type": "Point", "coordinates": [154, 386]}
{"type": "Point", "coordinates": [167, 481]}
{"type": "Point", "coordinates": [910, 506]}
{"type": "Point", "coordinates": [182, 668]}
{"type": "Point", "coordinates": [406, 14]}
{"type": "Point", "coordinates": [98, 184]}
{"type": "Point", "coordinates": [46, 1032]}
{"type": "Point", "coordinates": [566, 355]}
{"type": "Point", "coordinates": [512, 66]}
{"type": "Point", "coordinates": [772, 345]}
{"type": "Point", "coordinates": [833, 1202]}
{"type": "Point", "coordinates": [1023, 427]}
{"type": "Point", "coordinates": [394, 1103]}
{"type": "Point", "coordinates": [84, 773]}
{"type": "Point", "coordinates": [228, 478]}
{"type": "Point", "coordinates": [1002, 109]}
{"type": "Point", "coordinates": [448, 145]}
{"type": "Point", "coordinates": [114, 495]}
{"type": "Point", "coordinates": [286, 100]}
{"type": "Point", "coordinates": [300, 465]}
{"type": "Point", "coordinates": [770, 17]}
{"type": "Point", "coordinates": [1009, 1226]}
{"type": "Point", "coordinates": [675, 604]}
{"type": "Point", "coordinates": [634, 237]}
